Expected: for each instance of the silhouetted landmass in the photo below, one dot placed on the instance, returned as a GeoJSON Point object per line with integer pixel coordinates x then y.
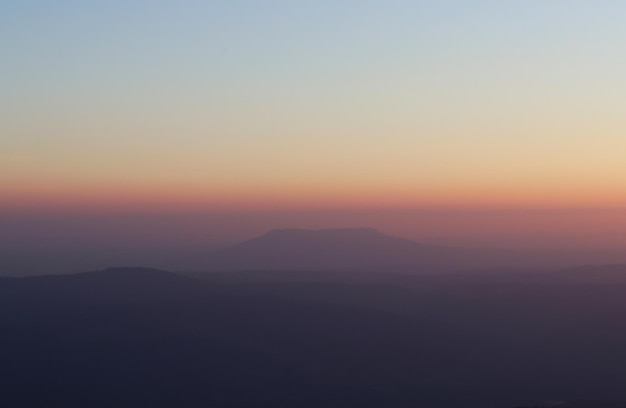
{"type": "Point", "coordinates": [365, 248]}
{"type": "Point", "coordinates": [134, 337]}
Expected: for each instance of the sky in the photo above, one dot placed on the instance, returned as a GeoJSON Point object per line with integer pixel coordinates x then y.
{"type": "Point", "coordinates": [320, 108]}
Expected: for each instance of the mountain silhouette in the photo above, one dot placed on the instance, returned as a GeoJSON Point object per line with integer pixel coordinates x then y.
{"type": "Point", "coordinates": [356, 248]}
{"type": "Point", "coordinates": [329, 249]}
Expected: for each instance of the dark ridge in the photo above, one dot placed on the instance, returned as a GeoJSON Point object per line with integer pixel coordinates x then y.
{"type": "Point", "coordinates": [112, 285]}
{"type": "Point", "coordinates": [615, 273]}
{"type": "Point", "coordinates": [128, 272]}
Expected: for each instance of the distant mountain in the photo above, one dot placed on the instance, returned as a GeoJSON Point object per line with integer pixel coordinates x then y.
{"type": "Point", "coordinates": [327, 249]}
{"type": "Point", "coordinates": [355, 248]}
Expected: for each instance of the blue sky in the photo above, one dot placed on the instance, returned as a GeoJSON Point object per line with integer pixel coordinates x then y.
{"type": "Point", "coordinates": [497, 101]}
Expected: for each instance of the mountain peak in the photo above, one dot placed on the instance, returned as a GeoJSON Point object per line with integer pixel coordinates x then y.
{"type": "Point", "coordinates": [362, 231]}
{"type": "Point", "coordinates": [335, 248]}
{"type": "Point", "coordinates": [333, 237]}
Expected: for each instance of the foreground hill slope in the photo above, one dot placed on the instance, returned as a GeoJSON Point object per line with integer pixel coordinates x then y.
{"type": "Point", "coordinates": [149, 338]}
{"type": "Point", "coordinates": [136, 337]}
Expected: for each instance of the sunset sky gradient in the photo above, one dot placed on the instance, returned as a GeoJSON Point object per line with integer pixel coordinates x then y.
{"type": "Point", "coordinates": [329, 107]}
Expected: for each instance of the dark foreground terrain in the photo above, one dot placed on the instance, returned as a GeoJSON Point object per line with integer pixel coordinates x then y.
{"type": "Point", "coordinates": [133, 337]}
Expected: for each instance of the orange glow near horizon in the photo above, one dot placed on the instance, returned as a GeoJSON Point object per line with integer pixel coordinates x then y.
{"type": "Point", "coordinates": [313, 198]}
